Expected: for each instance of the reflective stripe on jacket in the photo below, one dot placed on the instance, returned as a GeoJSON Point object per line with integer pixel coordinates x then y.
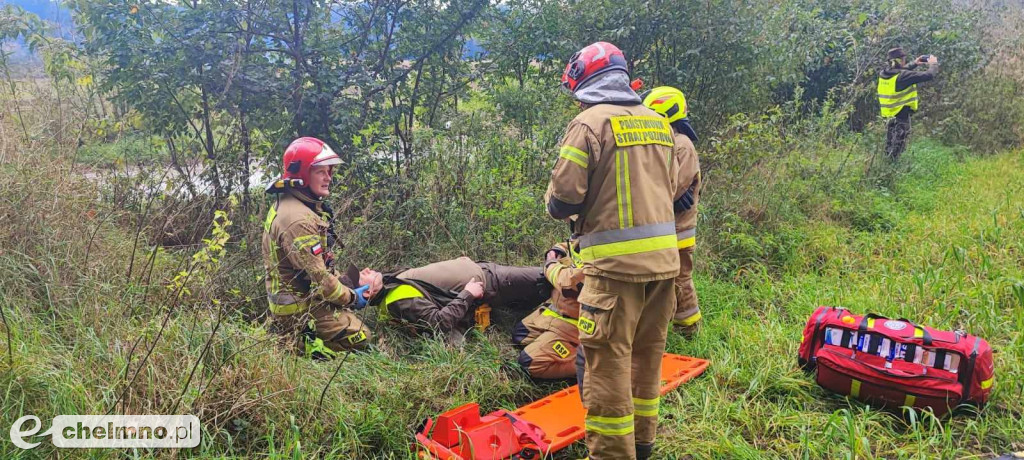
{"type": "Point", "coordinates": [616, 165]}
{"type": "Point", "coordinates": [891, 101]}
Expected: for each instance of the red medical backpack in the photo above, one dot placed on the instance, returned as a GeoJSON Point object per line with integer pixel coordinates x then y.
{"type": "Point", "coordinates": [894, 362]}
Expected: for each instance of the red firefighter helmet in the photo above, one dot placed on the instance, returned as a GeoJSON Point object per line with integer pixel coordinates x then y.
{"type": "Point", "coordinates": [595, 59]}
{"type": "Point", "coordinates": [304, 153]}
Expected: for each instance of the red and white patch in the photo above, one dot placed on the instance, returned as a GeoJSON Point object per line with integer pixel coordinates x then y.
{"type": "Point", "coordinates": [317, 249]}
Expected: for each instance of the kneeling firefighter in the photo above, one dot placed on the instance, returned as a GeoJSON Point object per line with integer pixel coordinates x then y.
{"type": "Point", "coordinates": [306, 296]}
{"type": "Point", "coordinates": [670, 103]}
{"type": "Point", "coordinates": [549, 336]}
{"type": "Point", "coordinates": [451, 296]}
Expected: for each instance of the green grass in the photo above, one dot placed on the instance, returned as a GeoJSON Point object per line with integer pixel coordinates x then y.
{"type": "Point", "coordinates": [952, 261]}
{"type": "Point", "coordinates": [951, 254]}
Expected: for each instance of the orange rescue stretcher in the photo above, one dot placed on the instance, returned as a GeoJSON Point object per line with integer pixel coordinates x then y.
{"type": "Point", "coordinates": [529, 432]}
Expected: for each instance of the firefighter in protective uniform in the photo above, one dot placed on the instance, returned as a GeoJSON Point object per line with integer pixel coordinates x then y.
{"type": "Point", "coordinates": [897, 96]}
{"type": "Point", "coordinates": [615, 170]}
{"type": "Point", "coordinates": [549, 336]}
{"type": "Point", "coordinates": [306, 296]}
{"type": "Point", "coordinates": [671, 104]}
{"type": "Point", "coordinates": [451, 296]}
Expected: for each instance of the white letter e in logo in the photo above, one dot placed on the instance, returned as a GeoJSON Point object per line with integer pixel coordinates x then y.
{"type": "Point", "coordinates": [17, 433]}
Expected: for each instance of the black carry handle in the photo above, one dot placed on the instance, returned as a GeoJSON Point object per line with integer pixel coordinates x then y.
{"type": "Point", "coordinates": [863, 327]}
{"type": "Point", "coordinates": [925, 335]}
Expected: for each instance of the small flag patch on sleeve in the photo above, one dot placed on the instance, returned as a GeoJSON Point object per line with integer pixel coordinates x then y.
{"type": "Point", "coordinates": [317, 249]}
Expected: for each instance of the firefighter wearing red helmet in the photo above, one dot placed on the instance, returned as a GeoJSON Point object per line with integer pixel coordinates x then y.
{"type": "Point", "coordinates": [615, 171]}
{"type": "Point", "coordinates": [305, 295]}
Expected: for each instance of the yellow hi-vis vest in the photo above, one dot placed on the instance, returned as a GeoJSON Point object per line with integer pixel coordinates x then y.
{"type": "Point", "coordinates": [892, 101]}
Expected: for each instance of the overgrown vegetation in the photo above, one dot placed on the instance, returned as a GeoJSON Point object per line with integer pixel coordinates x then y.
{"type": "Point", "coordinates": [130, 278]}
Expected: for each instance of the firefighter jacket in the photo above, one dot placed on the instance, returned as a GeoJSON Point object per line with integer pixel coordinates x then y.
{"type": "Point", "coordinates": [295, 255]}
{"type": "Point", "coordinates": [566, 278]}
{"type": "Point", "coordinates": [688, 179]}
{"type": "Point", "coordinates": [617, 173]}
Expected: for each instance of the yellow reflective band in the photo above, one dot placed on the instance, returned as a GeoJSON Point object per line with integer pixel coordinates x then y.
{"type": "Point", "coordinates": [610, 420]}
{"type": "Point", "coordinates": [271, 215]}
{"type": "Point", "coordinates": [918, 333]}
{"type": "Point", "coordinates": [552, 273]}
{"type": "Point", "coordinates": [646, 407]}
{"type": "Point", "coordinates": [692, 319]}
{"type": "Point", "coordinates": [871, 323]}
{"type": "Point", "coordinates": [909, 400]}
{"type": "Point", "coordinates": [986, 384]}
{"type": "Point", "coordinates": [549, 312]}
{"type": "Point", "coordinates": [574, 155]}
{"type": "Point", "coordinates": [306, 241]}
{"type": "Point", "coordinates": [687, 243]}
{"type": "Point", "coordinates": [629, 192]}
{"type": "Point", "coordinates": [275, 275]}
{"type": "Point", "coordinates": [288, 309]}
{"type": "Point", "coordinates": [335, 294]}
{"type": "Point", "coordinates": [618, 187]}
{"type": "Point", "coordinates": [574, 254]}
{"type": "Point", "coordinates": [641, 130]}
{"type": "Point", "coordinates": [906, 92]}
{"type": "Point", "coordinates": [622, 248]}
{"type": "Point", "coordinates": [855, 388]}
{"type": "Point", "coordinates": [900, 103]}
{"type": "Point", "coordinates": [610, 426]}
{"type": "Point", "coordinates": [401, 292]}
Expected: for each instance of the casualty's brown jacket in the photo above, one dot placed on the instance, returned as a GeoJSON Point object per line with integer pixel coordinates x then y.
{"type": "Point", "coordinates": [616, 171]}
{"type": "Point", "coordinates": [433, 297]}
{"type": "Point", "coordinates": [688, 177]}
{"type": "Point", "coordinates": [295, 257]}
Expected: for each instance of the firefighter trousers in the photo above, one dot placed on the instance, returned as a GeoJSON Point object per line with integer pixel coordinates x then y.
{"type": "Point", "coordinates": [622, 328]}
{"type": "Point", "coordinates": [687, 311]}
{"type": "Point", "coordinates": [549, 344]}
{"type": "Point", "coordinates": [324, 330]}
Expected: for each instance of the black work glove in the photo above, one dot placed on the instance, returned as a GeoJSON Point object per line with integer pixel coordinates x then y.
{"type": "Point", "coordinates": [684, 203]}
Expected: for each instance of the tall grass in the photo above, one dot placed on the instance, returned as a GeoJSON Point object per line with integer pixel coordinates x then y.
{"type": "Point", "coordinates": [104, 318]}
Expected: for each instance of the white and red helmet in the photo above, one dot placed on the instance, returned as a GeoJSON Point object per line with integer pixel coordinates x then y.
{"type": "Point", "coordinates": [596, 59]}
{"type": "Point", "coordinates": [304, 153]}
